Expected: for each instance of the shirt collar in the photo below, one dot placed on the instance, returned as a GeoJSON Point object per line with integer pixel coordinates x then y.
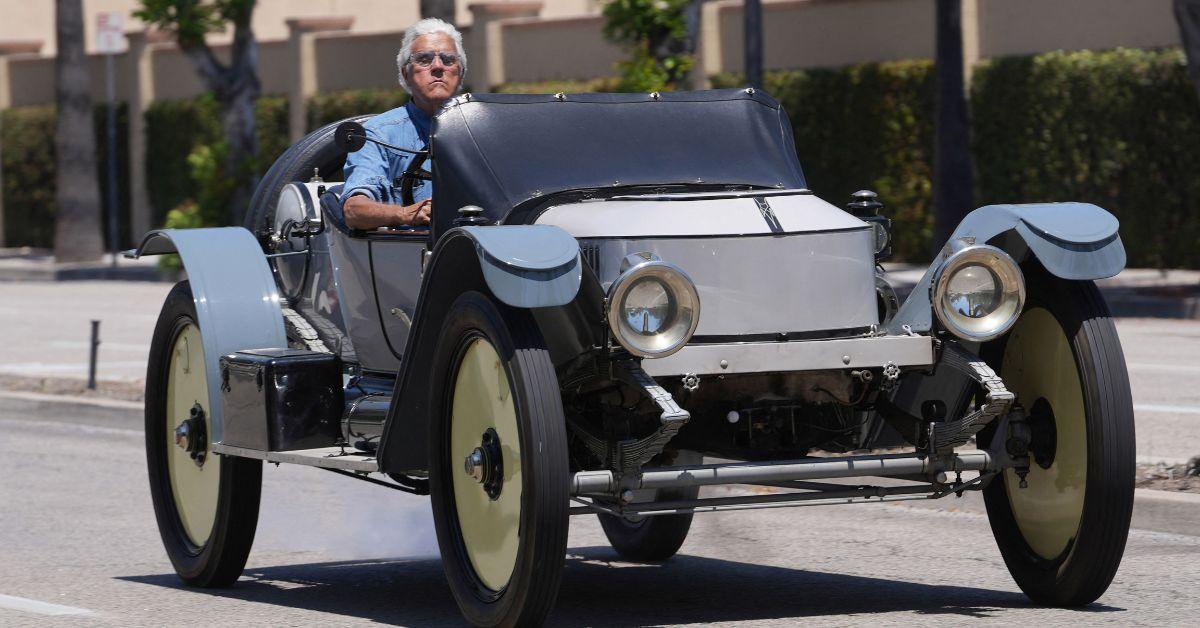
{"type": "Point", "coordinates": [420, 120]}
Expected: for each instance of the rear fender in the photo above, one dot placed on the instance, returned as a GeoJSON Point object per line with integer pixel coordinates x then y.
{"type": "Point", "coordinates": [237, 302]}
{"type": "Point", "coordinates": [1077, 241]}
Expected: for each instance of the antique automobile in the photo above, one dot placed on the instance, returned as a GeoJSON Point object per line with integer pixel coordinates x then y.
{"type": "Point", "coordinates": [621, 299]}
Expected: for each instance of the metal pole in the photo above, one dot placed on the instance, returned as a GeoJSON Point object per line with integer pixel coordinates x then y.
{"type": "Point", "coordinates": [92, 358]}
{"type": "Point", "coordinates": [754, 43]}
{"type": "Point", "coordinates": [110, 89]}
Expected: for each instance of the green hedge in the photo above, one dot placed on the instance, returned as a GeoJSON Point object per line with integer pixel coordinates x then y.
{"type": "Point", "coordinates": [606, 84]}
{"type": "Point", "coordinates": [1118, 128]}
{"type": "Point", "coordinates": [334, 106]}
{"type": "Point", "coordinates": [27, 163]}
{"type": "Point", "coordinates": [174, 128]}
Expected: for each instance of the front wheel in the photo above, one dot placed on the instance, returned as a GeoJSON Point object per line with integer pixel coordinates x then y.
{"type": "Point", "coordinates": [651, 539]}
{"type": "Point", "coordinates": [498, 464]}
{"type": "Point", "coordinates": [1063, 536]}
{"type": "Point", "coordinates": [206, 505]}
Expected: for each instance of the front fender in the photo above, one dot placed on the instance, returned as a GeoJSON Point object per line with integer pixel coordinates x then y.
{"type": "Point", "coordinates": [1077, 241]}
{"type": "Point", "coordinates": [527, 265]}
{"type": "Point", "coordinates": [237, 303]}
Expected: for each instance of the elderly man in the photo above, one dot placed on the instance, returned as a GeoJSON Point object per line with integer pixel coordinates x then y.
{"type": "Point", "coordinates": [431, 65]}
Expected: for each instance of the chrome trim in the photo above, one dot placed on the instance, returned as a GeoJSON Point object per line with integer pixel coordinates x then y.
{"type": "Point", "coordinates": [809, 355]}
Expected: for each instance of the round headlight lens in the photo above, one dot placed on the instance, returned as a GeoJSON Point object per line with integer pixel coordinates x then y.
{"type": "Point", "coordinates": [978, 293]}
{"type": "Point", "coordinates": [653, 309]}
{"type": "Point", "coordinates": [647, 306]}
{"type": "Point", "coordinates": [973, 292]}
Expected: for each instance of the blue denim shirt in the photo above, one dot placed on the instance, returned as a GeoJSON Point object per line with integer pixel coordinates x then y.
{"type": "Point", "coordinates": [373, 169]}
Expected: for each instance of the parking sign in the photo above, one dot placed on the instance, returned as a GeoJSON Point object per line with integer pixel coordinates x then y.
{"type": "Point", "coordinates": [109, 38]}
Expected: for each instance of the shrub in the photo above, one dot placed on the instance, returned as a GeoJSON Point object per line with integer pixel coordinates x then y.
{"type": "Point", "coordinates": [607, 84]}
{"type": "Point", "coordinates": [1118, 128]}
{"type": "Point", "coordinates": [27, 161]}
{"type": "Point", "coordinates": [334, 106]}
{"type": "Point", "coordinates": [654, 33]}
{"type": "Point", "coordinates": [176, 128]}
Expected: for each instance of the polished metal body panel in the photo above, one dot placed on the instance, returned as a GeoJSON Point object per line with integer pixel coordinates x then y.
{"type": "Point", "coordinates": [699, 215]}
{"type": "Point", "coordinates": [351, 258]}
{"type": "Point", "coordinates": [396, 261]}
{"type": "Point", "coordinates": [802, 355]}
{"type": "Point", "coordinates": [237, 303]}
{"type": "Point", "coordinates": [1072, 240]}
{"type": "Point", "coordinates": [767, 284]}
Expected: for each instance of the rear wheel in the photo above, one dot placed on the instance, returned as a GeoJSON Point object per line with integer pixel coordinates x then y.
{"type": "Point", "coordinates": [206, 505]}
{"type": "Point", "coordinates": [656, 538]}
{"type": "Point", "coordinates": [499, 474]}
{"type": "Point", "coordinates": [1063, 536]}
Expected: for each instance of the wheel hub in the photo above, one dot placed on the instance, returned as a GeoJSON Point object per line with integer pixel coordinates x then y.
{"type": "Point", "coordinates": [1044, 436]}
{"type": "Point", "coordinates": [485, 464]}
{"type": "Point", "coordinates": [192, 436]}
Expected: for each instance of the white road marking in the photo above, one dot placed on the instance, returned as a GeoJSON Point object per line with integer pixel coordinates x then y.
{"type": "Point", "coordinates": [50, 367]}
{"type": "Point", "coordinates": [77, 428]}
{"type": "Point", "coordinates": [1166, 409]}
{"type": "Point", "coordinates": [12, 602]}
{"type": "Point", "coordinates": [104, 344]}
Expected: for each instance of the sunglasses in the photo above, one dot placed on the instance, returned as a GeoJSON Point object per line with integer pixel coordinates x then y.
{"type": "Point", "coordinates": [425, 58]}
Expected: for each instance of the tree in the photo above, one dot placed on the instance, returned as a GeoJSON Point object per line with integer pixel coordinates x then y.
{"type": "Point", "coordinates": [234, 85]}
{"type": "Point", "coordinates": [1187, 16]}
{"type": "Point", "coordinates": [656, 34]}
{"type": "Point", "coordinates": [952, 152]}
{"type": "Point", "coordinates": [441, 9]}
{"type": "Point", "coordinates": [77, 230]}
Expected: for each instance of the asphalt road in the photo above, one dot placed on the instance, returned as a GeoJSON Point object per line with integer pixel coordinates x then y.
{"type": "Point", "coordinates": [78, 546]}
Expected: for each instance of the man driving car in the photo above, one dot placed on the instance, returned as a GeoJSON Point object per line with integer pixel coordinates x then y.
{"type": "Point", "coordinates": [431, 64]}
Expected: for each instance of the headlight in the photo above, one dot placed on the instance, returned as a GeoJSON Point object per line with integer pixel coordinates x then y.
{"type": "Point", "coordinates": [978, 293]}
{"type": "Point", "coordinates": [653, 309]}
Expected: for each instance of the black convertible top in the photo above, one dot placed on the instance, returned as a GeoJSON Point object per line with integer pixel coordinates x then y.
{"type": "Point", "coordinates": [500, 151]}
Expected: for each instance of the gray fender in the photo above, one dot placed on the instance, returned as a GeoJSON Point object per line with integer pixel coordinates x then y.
{"type": "Point", "coordinates": [237, 303]}
{"type": "Point", "coordinates": [1076, 241]}
{"type": "Point", "coordinates": [526, 266]}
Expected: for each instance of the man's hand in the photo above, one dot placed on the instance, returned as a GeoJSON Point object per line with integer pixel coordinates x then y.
{"type": "Point", "coordinates": [364, 213]}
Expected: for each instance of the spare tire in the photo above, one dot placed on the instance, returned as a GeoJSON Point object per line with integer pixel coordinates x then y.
{"type": "Point", "coordinates": [315, 151]}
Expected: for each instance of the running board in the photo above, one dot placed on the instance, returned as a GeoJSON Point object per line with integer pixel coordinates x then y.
{"type": "Point", "coordinates": [605, 483]}
{"type": "Point", "coordinates": [324, 457]}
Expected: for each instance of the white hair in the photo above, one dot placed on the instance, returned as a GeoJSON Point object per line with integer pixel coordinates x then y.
{"type": "Point", "coordinates": [429, 26]}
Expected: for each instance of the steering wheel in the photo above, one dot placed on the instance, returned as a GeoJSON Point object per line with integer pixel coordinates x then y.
{"type": "Point", "coordinates": [412, 174]}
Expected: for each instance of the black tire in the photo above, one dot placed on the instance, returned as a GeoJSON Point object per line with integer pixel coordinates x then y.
{"type": "Point", "coordinates": [540, 535]}
{"type": "Point", "coordinates": [314, 151]}
{"type": "Point", "coordinates": [651, 539]}
{"type": "Point", "coordinates": [1091, 415]}
{"type": "Point", "coordinates": [219, 558]}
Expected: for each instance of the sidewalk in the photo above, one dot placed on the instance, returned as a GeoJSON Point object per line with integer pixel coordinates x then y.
{"type": "Point", "coordinates": [28, 264]}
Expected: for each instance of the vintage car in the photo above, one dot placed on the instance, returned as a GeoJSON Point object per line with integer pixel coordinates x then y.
{"type": "Point", "coordinates": [613, 287]}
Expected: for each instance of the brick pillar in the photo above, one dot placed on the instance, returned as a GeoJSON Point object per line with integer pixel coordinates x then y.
{"type": "Point", "coordinates": [302, 35]}
{"type": "Point", "coordinates": [970, 37]}
{"type": "Point", "coordinates": [485, 41]}
{"type": "Point", "coordinates": [709, 49]}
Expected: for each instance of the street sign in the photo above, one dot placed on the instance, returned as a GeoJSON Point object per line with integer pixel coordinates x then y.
{"type": "Point", "coordinates": [109, 38]}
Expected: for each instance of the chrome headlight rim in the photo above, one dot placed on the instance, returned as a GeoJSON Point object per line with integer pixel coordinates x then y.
{"type": "Point", "coordinates": [1004, 271]}
{"type": "Point", "coordinates": [681, 290]}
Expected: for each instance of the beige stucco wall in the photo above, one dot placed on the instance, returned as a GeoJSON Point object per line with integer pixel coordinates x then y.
{"type": "Point", "coordinates": [1014, 27]}
{"type": "Point", "coordinates": [34, 19]}
{"type": "Point", "coordinates": [563, 48]}
{"type": "Point", "coordinates": [347, 62]}
{"type": "Point", "coordinates": [822, 33]}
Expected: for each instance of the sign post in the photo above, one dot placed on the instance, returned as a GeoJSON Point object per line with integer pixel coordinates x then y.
{"type": "Point", "coordinates": [110, 41]}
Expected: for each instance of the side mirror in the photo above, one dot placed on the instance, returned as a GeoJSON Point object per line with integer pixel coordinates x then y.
{"type": "Point", "coordinates": [349, 136]}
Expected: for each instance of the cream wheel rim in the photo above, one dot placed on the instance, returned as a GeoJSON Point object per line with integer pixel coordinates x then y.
{"type": "Point", "coordinates": [194, 487]}
{"type": "Point", "coordinates": [490, 527]}
{"type": "Point", "coordinates": [1038, 364]}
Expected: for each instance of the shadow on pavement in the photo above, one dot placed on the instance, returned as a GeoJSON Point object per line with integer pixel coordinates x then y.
{"type": "Point", "coordinates": [600, 590]}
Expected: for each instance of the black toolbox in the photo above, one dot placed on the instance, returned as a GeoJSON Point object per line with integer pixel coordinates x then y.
{"type": "Point", "coordinates": [281, 399]}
